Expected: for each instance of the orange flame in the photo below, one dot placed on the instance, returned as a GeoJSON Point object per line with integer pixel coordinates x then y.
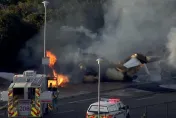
{"type": "Point", "coordinates": [60, 79]}
{"type": "Point", "coordinates": [52, 59]}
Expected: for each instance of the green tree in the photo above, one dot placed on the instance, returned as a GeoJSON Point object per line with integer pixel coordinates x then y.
{"type": "Point", "coordinates": [13, 34]}
{"type": "Point", "coordinates": [36, 19]}
{"type": "Point", "coordinates": [10, 2]}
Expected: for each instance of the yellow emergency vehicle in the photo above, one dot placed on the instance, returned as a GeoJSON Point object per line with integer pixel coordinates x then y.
{"type": "Point", "coordinates": [28, 96]}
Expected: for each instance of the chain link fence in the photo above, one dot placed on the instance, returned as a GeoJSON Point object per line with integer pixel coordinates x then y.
{"type": "Point", "coordinates": [161, 110]}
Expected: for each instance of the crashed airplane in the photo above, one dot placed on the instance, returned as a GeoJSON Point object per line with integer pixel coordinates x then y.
{"type": "Point", "coordinates": [122, 71]}
{"type": "Point", "coordinates": [88, 68]}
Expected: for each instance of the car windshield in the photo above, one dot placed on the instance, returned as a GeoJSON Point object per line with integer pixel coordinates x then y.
{"type": "Point", "coordinates": [94, 108]}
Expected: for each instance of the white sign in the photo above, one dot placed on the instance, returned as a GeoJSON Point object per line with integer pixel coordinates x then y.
{"type": "Point", "coordinates": [45, 61]}
{"type": "Point", "coordinates": [24, 107]}
{"type": "Point", "coordinates": [46, 97]}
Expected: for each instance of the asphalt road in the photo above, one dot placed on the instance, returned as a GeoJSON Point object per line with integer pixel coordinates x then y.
{"type": "Point", "coordinates": [137, 100]}
{"type": "Point", "coordinates": [76, 107]}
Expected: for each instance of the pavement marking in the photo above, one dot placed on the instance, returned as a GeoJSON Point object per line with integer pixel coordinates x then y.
{"type": "Point", "coordinates": [145, 98]}
{"type": "Point", "coordinates": [81, 100]}
{"type": "Point", "coordinates": [64, 112]}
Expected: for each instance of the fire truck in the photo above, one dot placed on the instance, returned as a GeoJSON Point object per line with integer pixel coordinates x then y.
{"type": "Point", "coordinates": [28, 95]}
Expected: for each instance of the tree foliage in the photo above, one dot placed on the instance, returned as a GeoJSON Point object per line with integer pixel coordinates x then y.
{"type": "Point", "coordinates": [19, 21]}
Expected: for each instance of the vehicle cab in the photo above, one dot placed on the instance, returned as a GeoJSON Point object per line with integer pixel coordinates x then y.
{"type": "Point", "coordinates": [109, 108]}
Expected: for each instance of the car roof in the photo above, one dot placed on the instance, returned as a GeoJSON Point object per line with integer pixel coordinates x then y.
{"type": "Point", "coordinates": [104, 103]}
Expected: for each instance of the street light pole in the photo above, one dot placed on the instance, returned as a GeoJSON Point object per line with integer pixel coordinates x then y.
{"type": "Point", "coordinates": [99, 60]}
{"type": "Point", "coordinates": [45, 3]}
{"type": "Point", "coordinates": [44, 44]}
{"type": "Point", "coordinates": [45, 61]}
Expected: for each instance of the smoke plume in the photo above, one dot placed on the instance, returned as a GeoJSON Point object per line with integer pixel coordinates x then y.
{"type": "Point", "coordinates": [135, 26]}
{"type": "Point", "coordinates": [74, 27]}
{"type": "Point", "coordinates": [171, 45]}
{"type": "Point", "coordinates": [113, 29]}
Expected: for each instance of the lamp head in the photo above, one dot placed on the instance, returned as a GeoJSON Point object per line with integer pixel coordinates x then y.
{"type": "Point", "coordinates": [99, 60]}
{"type": "Point", "coordinates": [45, 3]}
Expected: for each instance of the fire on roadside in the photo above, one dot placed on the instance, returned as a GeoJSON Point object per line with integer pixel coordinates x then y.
{"type": "Point", "coordinates": [60, 78]}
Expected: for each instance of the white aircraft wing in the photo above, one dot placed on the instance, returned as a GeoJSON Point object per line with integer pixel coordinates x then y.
{"type": "Point", "coordinates": [132, 63]}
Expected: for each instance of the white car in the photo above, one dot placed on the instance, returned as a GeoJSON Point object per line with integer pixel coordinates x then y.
{"type": "Point", "coordinates": [109, 108]}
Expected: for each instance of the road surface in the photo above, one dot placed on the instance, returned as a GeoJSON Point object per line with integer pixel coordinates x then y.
{"type": "Point", "coordinates": [135, 96]}
{"type": "Point", "coordinates": [76, 107]}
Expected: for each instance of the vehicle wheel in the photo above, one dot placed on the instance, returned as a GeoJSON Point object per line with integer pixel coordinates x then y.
{"type": "Point", "coordinates": [128, 115]}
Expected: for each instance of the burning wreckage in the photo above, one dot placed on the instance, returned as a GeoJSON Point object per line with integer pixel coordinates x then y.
{"type": "Point", "coordinates": [88, 69]}
{"type": "Point", "coordinates": [122, 71]}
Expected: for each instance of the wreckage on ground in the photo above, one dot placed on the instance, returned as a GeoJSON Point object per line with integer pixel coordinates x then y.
{"type": "Point", "coordinates": [122, 71]}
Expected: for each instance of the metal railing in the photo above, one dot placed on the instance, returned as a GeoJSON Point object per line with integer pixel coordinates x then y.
{"type": "Point", "coordinates": [160, 110]}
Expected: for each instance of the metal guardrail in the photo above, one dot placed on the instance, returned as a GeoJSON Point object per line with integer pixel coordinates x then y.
{"type": "Point", "coordinates": [145, 114]}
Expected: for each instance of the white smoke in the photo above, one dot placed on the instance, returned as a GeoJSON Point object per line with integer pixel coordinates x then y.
{"type": "Point", "coordinates": [130, 26]}
{"type": "Point", "coordinates": [171, 45]}
{"type": "Point", "coordinates": [134, 26]}
{"type": "Point", "coordinates": [80, 29]}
